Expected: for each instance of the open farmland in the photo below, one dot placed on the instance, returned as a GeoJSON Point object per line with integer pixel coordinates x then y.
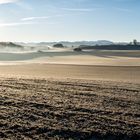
{"type": "Point", "coordinates": [68, 109]}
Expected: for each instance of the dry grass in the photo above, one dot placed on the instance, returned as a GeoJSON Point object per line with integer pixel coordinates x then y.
{"type": "Point", "coordinates": [68, 109]}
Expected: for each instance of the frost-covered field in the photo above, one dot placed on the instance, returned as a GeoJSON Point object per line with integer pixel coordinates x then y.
{"type": "Point", "coordinates": [68, 109]}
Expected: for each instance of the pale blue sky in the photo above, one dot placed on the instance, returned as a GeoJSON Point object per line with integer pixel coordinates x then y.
{"type": "Point", "coordinates": [56, 20]}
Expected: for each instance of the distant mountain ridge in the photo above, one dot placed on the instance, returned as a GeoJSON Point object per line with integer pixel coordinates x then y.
{"type": "Point", "coordinates": [68, 43]}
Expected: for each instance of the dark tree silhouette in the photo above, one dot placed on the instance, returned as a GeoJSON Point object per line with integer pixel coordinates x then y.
{"type": "Point", "coordinates": [59, 45]}
{"type": "Point", "coordinates": [135, 42]}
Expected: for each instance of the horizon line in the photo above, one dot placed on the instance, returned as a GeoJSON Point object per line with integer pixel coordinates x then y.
{"type": "Point", "coordinates": [70, 41]}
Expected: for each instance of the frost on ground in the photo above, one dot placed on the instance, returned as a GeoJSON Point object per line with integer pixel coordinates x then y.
{"type": "Point", "coordinates": [68, 109]}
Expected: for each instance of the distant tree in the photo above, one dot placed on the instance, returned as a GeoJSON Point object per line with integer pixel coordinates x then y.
{"type": "Point", "coordinates": [130, 43]}
{"type": "Point", "coordinates": [59, 45]}
{"type": "Point", "coordinates": [135, 42]}
{"type": "Point", "coordinates": [77, 49]}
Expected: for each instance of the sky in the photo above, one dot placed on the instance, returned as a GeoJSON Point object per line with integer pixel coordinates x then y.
{"type": "Point", "coordinates": [69, 20]}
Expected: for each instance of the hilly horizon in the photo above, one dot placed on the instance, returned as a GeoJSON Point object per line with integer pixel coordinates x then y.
{"type": "Point", "coordinates": [68, 44]}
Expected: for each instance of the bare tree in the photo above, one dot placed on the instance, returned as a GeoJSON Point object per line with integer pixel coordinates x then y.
{"type": "Point", "coordinates": [135, 42]}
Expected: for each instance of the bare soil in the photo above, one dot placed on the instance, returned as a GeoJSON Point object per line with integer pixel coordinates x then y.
{"type": "Point", "coordinates": [69, 109]}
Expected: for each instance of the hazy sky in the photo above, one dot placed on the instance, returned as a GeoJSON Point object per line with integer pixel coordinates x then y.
{"type": "Point", "coordinates": [55, 20]}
